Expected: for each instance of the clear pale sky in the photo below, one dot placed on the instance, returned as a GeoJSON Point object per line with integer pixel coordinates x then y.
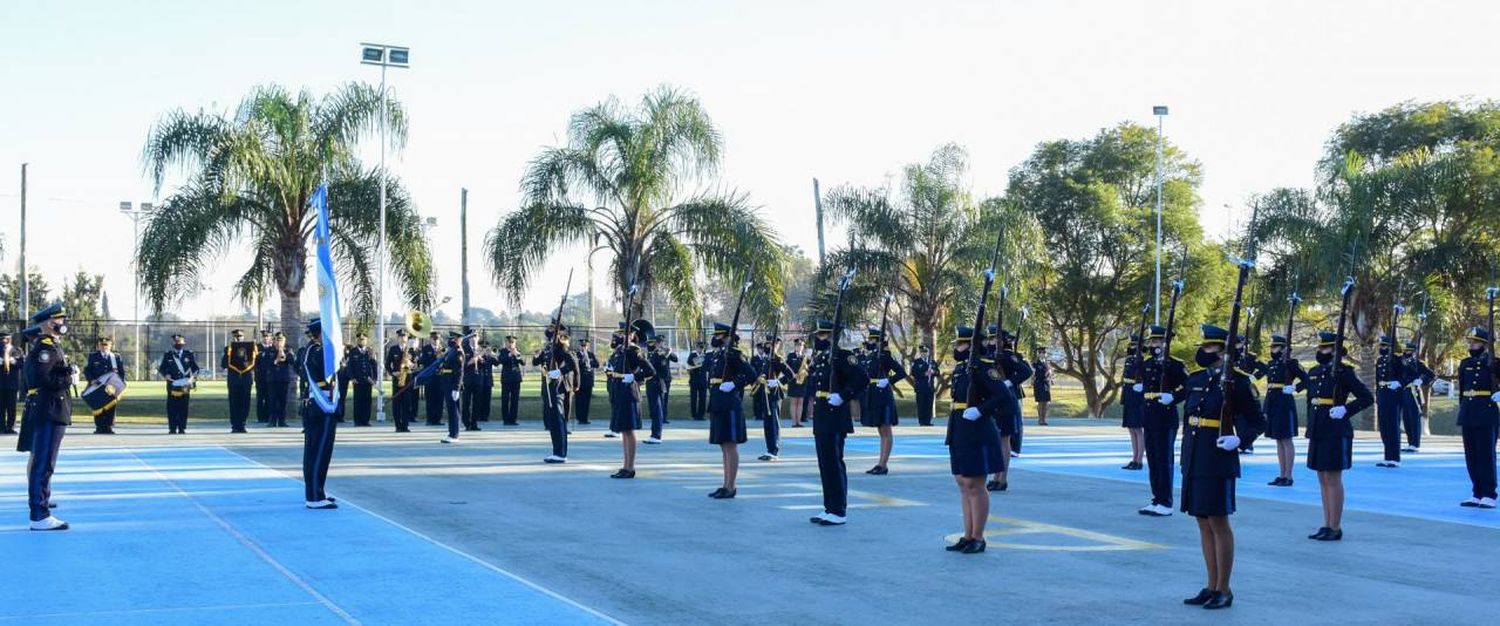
{"type": "Point", "coordinates": [844, 91]}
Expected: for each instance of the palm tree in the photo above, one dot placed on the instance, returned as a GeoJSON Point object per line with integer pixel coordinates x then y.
{"type": "Point", "coordinates": [628, 181]}
{"type": "Point", "coordinates": [249, 180]}
{"type": "Point", "coordinates": [925, 242]}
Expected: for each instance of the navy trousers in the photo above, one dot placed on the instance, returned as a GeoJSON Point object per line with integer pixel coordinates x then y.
{"type": "Point", "coordinates": [510, 400]}
{"type": "Point", "coordinates": [318, 430]}
{"type": "Point", "coordinates": [925, 397]}
{"type": "Point", "coordinates": [555, 418]}
{"type": "Point", "coordinates": [46, 440]}
{"type": "Point", "coordinates": [698, 399]}
{"type": "Point", "coordinates": [1388, 420]}
{"type": "Point", "coordinates": [433, 391]}
{"type": "Point", "coordinates": [656, 401]}
{"type": "Point", "coordinates": [455, 414]}
{"type": "Point", "coordinates": [829, 435]}
{"type": "Point", "coordinates": [768, 409]}
{"type": "Point", "coordinates": [1479, 457]}
{"type": "Point", "coordinates": [1161, 443]}
{"type": "Point", "coordinates": [239, 401]}
{"type": "Point", "coordinates": [1411, 418]}
{"type": "Point", "coordinates": [177, 411]}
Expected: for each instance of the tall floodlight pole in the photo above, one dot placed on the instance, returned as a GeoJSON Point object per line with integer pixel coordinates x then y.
{"type": "Point", "coordinates": [1161, 113]}
{"type": "Point", "coordinates": [135, 213]}
{"type": "Point", "coordinates": [25, 286]}
{"type": "Point", "coordinates": [463, 252]}
{"type": "Point", "coordinates": [385, 56]}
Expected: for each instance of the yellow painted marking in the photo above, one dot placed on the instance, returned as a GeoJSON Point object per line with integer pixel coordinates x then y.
{"type": "Point", "coordinates": [1014, 527]}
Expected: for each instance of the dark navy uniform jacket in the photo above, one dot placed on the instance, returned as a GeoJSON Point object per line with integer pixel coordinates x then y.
{"type": "Point", "coordinates": [1130, 399]}
{"type": "Point", "coordinates": [510, 365]}
{"type": "Point", "coordinates": [360, 366]}
{"type": "Point", "coordinates": [738, 371]}
{"type": "Point", "coordinates": [170, 369]}
{"type": "Point", "coordinates": [483, 376]}
{"type": "Point", "coordinates": [50, 377]}
{"type": "Point", "coordinates": [1041, 381]}
{"type": "Point", "coordinates": [881, 364]}
{"type": "Point", "coordinates": [768, 369]}
{"type": "Point", "coordinates": [923, 373]}
{"type": "Point", "coordinates": [850, 380]}
{"type": "Point", "coordinates": [1202, 412]}
{"type": "Point", "coordinates": [262, 368]}
{"type": "Point", "coordinates": [1160, 376]}
{"type": "Point", "coordinates": [630, 359]}
{"type": "Point", "coordinates": [1476, 382]}
{"type": "Point", "coordinates": [1282, 371]}
{"type": "Point", "coordinates": [1391, 368]}
{"type": "Point", "coordinates": [567, 365]}
{"type": "Point", "coordinates": [283, 372]}
{"type": "Point", "coordinates": [99, 365]}
{"type": "Point", "coordinates": [587, 363]}
{"type": "Point", "coordinates": [991, 398]}
{"type": "Point", "coordinates": [661, 363]}
{"type": "Point", "coordinates": [1014, 369]}
{"type": "Point", "coordinates": [1320, 398]}
{"type": "Point", "coordinates": [1251, 366]}
{"type": "Point", "coordinates": [1417, 370]}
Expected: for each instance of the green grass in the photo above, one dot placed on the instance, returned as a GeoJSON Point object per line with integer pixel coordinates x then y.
{"type": "Point", "coordinates": [146, 403]}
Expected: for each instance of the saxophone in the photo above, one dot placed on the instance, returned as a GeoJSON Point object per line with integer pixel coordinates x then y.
{"type": "Point", "coordinates": [404, 372]}
{"type": "Point", "coordinates": [801, 374]}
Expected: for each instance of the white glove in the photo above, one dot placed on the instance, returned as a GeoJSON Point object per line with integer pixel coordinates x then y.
{"type": "Point", "coordinates": [971, 414]}
{"type": "Point", "coordinates": [1337, 412]}
{"type": "Point", "coordinates": [1416, 384]}
{"type": "Point", "coordinates": [1166, 398]}
{"type": "Point", "coordinates": [455, 395]}
{"type": "Point", "coordinates": [628, 379]}
{"type": "Point", "coordinates": [1137, 387]}
{"type": "Point", "coordinates": [726, 386]}
{"type": "Point", "coordinates": [1495, 397]}
{"type": "Point", "coordinates": [773, 383]}
{"type": "Point", "coordinates": [554, 374]}
{"type": "Point", "coordinates": [1289, 390]}
{"type": "Point", "coordinates": [1393, 385]}
{"type": "Point", "coordinates": [883, 383]}
{"type": "Point", "coordinates": [1009, 384]}
{"type": "Point", "coordinates": [1228, 442]}
{"type": "Point", "coordinates": [835, 399]}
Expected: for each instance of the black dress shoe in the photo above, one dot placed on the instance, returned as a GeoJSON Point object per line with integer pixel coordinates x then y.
{"type": "Point", "coordinates": [1322, 532]}
{"type": "Point", "coordinates": [993, 485]}
{"type": "Point", "coordinates": [624, 473]}
{"type": "Point", "coordinates": [878, 470]}
{"type": "Point", "coordinates": [975, 547]}
{"type": "Point", "coordinates": [403, 430]}
{"type": "Point", "coordinates": [1333, 535]}
{"type": "Point", "coordinates": [1132, 466]}
{"type": "Point", "coordinates": [959, 547]}
{"type": "Point", "coordinates": [723, 494]}
{"type": "Point", "coordinates": [1221, 600]}
{"type": "Point", "coordinates": [1204, 595]}
{"type": "Point", "coordinates": [717, 493]}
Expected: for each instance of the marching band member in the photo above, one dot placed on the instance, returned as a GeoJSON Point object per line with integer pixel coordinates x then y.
{"type": "Point", "coordinates": [178, 367]}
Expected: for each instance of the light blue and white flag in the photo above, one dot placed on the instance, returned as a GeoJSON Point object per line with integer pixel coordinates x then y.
{"type": "Point", "coordinates": [330, 312]}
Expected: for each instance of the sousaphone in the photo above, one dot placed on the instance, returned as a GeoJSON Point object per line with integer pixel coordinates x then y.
{"type": "Point", "coordinates": [418, 324]}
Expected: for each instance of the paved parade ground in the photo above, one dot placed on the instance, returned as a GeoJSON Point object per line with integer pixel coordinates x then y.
{"type": "Point", "coordinates": [211, 528]}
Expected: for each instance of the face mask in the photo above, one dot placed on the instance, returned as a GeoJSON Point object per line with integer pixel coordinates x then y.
{"type": "Point", "coordinates": [1476, 351]}
{"type": "Point", "coordinates": [1205, 358]}
{"type": "Point", "coordinates": [717, 342]}
{"type": "Point", "coordinates": [822, 344]}
{"type": "Point", "coordinates": [1325, 358]}
{"type": "Point", "coordinates": [178, 346]}
{"type": "Point", "coordinates": [1385, 352]}
{"type": "Point", "coordinates": [62, 329]}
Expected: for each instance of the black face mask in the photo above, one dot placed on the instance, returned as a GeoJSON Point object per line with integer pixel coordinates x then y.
{"type": "Point", "coordinates": [1325, 358]}
{"type": "Point", "coordinates": [822, 344]}
{"type": "Point", "coordinates": [960, 354]}
{"type": "Point", "coordinates": [869, 346]}
{"type": "Point", "coordinates": [1476, 351]}
{"type": "Point", "coordinates": [1385, 352]}
{"type": "Point", "coordinates": [717, 342]}
{"type": "Point", "coordinates": [178, 346]}
{"type": "Point", "coordinates": [1205, 358]}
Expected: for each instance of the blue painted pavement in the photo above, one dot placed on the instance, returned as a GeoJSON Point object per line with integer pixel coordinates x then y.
{"type": "Point", "coordinates": [196, 535]}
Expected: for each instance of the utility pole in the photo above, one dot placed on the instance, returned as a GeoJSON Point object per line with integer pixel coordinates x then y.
{"type": "Point", "coordinates": [25, 281]}
{"type": "Point", "coordinates": [463, 247]}
{"type": "Point", "coordinates": [818, 203]}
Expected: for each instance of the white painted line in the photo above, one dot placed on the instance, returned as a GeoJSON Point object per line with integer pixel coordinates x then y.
{"type": "Point", "coordinates": [175, 609]}
{"type": "Point", "coordinates": [481, 562]}
{"type": "Point", "coordinates": [252, 546]}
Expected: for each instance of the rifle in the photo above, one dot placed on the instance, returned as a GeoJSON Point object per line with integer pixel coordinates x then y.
{"type": "Point", "coordinates": [838, 327]}
{"type": "Point", "coordinates": [1491, 293]}
{"type": "Point", "coordinates": [1232, 348]}
{"type": "Point", "coordinates": [1394, 357]}
{"type": "Point", "coordinates": [1166, 347]}
{"type": "Point", "coordinates": [557, 338]}
{"type": "Point", "coordinates": [984, 295]}
{"type": "Point", "coordinates": [876, 360]}
{"type": "Point", "coordinates": [734, 327]}
{"type": "Point", "coordinates": [1286, 351]}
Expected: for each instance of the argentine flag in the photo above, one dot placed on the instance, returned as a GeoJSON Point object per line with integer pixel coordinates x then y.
{"type": "Point", "coordinates": [330, 312]}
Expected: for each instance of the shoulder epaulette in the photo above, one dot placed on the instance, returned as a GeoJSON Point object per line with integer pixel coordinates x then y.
{"type": "Point", "coordinates": [1178, 360]}
{"type": "Point", "coordinates": [46, 341]}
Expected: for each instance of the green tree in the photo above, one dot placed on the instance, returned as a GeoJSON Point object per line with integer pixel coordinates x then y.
{"type": "Point", "coordinates": [37, 293]}
{"type": "Point", "coordinates": [629, 181]}
{"type": "Point", "coordinates": [250, 177]}
{"type": "Point", "coordinates": [82, 298]}
{"type": "Point", "coordinates": [1095, 200]}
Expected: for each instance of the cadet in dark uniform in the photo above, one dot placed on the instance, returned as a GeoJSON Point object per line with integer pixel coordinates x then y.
{"type": "Point", "coordinates": [657, 388]}
{"type": "Point", "coordinates": [924, 375]}
{"type": "Point", "coordinates": [560, 379]}
{"type": "Point", "coordinates": [697, 384]}
{"type": "Point", "coordinates": [1014, 371]}
{"type": "Point", "coordinates": [433, 389]}
{"type": "Point", "coordinates": [1162, 377]}
{"type": "Point", "coordinates": [879, 408]}
{"type": "Point", "coordinates": [796, 360]}
{"type": "Point", "coordinates": [451, 372]}
{"type": "Point", "coordinates": [11, 360]}
{"type": "Point", "coordinates": [510, 381]}
{"type": "Point", "coordinates": [318, 426]}
{"type": "Point", "coordinates": [282, 374]}
{"type": "Point", "coordinates": [1285, 378]}
{"type": "Point", "coordinates": [238, 363]}
{"type": "Point", "coordinates": [1251, 365]}
{"type": "Point", "coordinates": [262, 377]}
{"type": "Point", "coordinates": [1041, 385]}
{"type": "Point", "coordinates": [587, 363]}
{"type": "Point", "coordinates": [730, 373]}
{"type": "Point", "coordinates": [1478, 417]}
{"type": "Point", "coordinates": [360, 370]}
{"type": "Point", "coordinates": [612, 378]}
{"type": "Point", "coordinates": [831, 420]}
{"type": "Point", "coordinates": [1017, 371]}
{"type": "Point", "coordinates": [1211, 462]}
{"type": "Point", "coordinates": [101, 363]}
{"type": "Point", "coordinates": [484, 395]}
{"type": "Point", "coordinates": [49, 411]}
{"type": "Point", "coordinates": [398, 365]}
{"type": "Point", "coordinates": [1411, 405]}
{"type": "Point", "coordinates": [1330, 446]}
{"type": "Point", "coordinates": [1391, 379]}
{"type": "Point", "coordinates": [1131, 416]}
{"type": "Point", "coordinates": [628, 370]}
{"type": "Point", "coordinates": [772, 375]}
{"type": "Point", "coordinates": [973, 438]}
{"type": "Point", "coordinates": [178, 367]}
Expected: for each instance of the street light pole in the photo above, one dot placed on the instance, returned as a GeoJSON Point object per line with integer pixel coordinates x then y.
{"type": "Point", "coordinates": [385, 56]}
{"type": "Point", "coordinates": [463, 252]}
{"type": "Point", "coordinates": [135, 214]}
{"type": "Point", "coordinates": [25, 286]}
{"type": "Point", "coordinates": [1161, 113]}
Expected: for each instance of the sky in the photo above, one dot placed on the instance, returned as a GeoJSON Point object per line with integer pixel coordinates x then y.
{"type": "Point", "coordinates": [847, 92]}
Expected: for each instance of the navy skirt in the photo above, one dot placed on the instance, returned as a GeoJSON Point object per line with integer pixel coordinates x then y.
{"type": "Point", "coordinates": [1207, 497]}
{"type": "Point", "coordinates": [625, 416]}
{"type": "Point", "coordinates": [879, 413]}
{"type": "Point", "coordinates": [976, 460]}
{"type": "Point", "coordinates": [1330, 454]}
{"type": "Point", "coordinates": [1132, 416]}
{"type": "Point", "coordinates": [1281, 416]}
{"type": "Point", "coordinates": [1041, 394]}
{"type": "Point", "coordinates": [727, 427]}
{"type": "Point", "coordinates": [796, 390]}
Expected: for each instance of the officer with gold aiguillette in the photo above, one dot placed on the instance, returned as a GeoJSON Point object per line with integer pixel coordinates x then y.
{"type": "Point", "coordinates": [238, 362]}
{"type": "Point", "coordinates": [49, 411]}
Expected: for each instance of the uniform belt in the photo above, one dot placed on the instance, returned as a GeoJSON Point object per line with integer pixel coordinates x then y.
{"type": "Point", "coordinates": [1152, 395]}
{"type": "Point", "coordinates": [1203, 422]}
{"type": "Point", "coordinates": [30, 392]}
{"type": "Point", "coordinates": [959, 406]}
{"type": "Point", "coordinates": [714, 381]}
{"type": "Point", "coordinates": [1275, 385]}
{"type": "Point", "coordinates": [1475, 393]}
{"type": "Point", "coordinates": [445, 370]}
{"type": "Point", "coordinates": [1322, 401]}
{"type": "Point", "coordinates": [822, 394]}
{"type": "Point", "coordinates": [1127, 380]}
{"type": "Point", "coordinates": [614, 374]}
